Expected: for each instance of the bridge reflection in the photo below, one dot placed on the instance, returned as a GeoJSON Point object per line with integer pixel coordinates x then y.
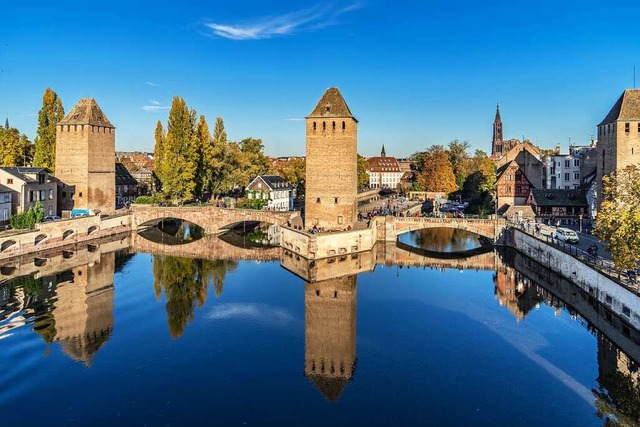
{"type": "Point", "coordinates": [68, 299]}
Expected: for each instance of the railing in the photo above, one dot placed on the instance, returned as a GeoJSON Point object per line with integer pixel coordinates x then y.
{"type": "Point", "coordinates": [605, 266]}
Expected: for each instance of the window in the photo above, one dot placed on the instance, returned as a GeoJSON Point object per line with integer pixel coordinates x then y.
{"type": "Point", "coordinates": [567, 163]}
{"type": "Point", "coordinates": [5, 214]}
{"type": "Point", "coordinates": [333, 126]}
{"type": "Point", "coordinates": [40, 178]}
{"type": "Point", "coordinates": [31, 199]}
{"type": "Point", "coordinates": [43, 195]}
{"type": "Point", "coordinates": [9, 180]}
{"type": "Point", "coordinates": [80, 194]}
{"type": "Point", "coordinates": [314, 127]}
{"type": "Point", "coordinates": [50, 210]}
{"type": "Point", "coordinates": [626, 311]}
{"type": "Point", "coordinates": [335, 200]}
{"type": "Point", "coordinates": [340, 220]}
{"type": "Point", "coordinates": [626, 127]}
{"type": "Point", "coordinates": [6, 197]}
{"type": "Point", "coordinates": [576, 162]}
{"type": "Point", "coordinates": [576, 175]}
{"type": "Point", "coordinates": [344, 126]}
{"type": "Point", "coordinates": [324, 126]}
{"type": "Point", "coordinates": [566, 177]}
{"type": "Point", "coordinates": [50, 194]}
{"type": "Point", "coordinates": [318, 200]}
{"type": "Point", "coordinates": [638, 127]}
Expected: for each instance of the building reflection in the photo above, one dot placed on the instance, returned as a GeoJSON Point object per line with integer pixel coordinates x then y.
{"type": "Point", "coordinates": [65, 296]}
{"type": "Point", "coordinates": [513, 290]}
{"type": "Point", "coordinates": [618, 394]}
{"type": "Point", "coordinates": [330, 334]}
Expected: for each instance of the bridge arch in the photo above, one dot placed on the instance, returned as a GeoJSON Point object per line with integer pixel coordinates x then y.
{"type": "Point", "coordinates": [67, 234]}
{"type": "Point", "coordinates": [92, 229]}
{"type": "Point", "coordinates": [7, 245]}
{"type": "Point", "coordinates": [39, 239]}
{"type": "Point", "coordinates": [391, 227]}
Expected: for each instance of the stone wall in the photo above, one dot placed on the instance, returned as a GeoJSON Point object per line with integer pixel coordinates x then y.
{"type": "Point", "coordinates": [603, 289]}
{"type": "Point", "coordinates": [331, 174]}
{"type": "Point", "coordinates": [63, 232]}
{"type": "Point", "coordinates": [324, 245]}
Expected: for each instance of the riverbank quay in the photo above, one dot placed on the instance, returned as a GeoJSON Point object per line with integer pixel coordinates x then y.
{"type": "Point", "coordinates": [53, 234]}
{"type": "Point", "coordinates": [588, 273]}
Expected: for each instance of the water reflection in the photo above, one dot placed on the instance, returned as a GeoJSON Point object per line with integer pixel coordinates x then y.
{"type": "Point", "coordinates": [443, 240]}
{"type": "Point", "coordinates": [185, 283]}
{"type": "Point", "coordinates": [173, 231]}
{"type": "Point", "coordinates": [73, 307]}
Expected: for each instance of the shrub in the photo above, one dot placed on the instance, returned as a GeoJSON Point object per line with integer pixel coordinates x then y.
{"type": "Point", "coordinates": [26, 220]}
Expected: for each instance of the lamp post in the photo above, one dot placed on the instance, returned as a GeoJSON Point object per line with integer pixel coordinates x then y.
{"type": "Point", "coordinates": [580, 216]}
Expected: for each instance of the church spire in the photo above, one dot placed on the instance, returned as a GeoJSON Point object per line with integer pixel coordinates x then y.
{"type": "Point", "coordinates": [383, 153]}
{"type": "Point", "coordinates": [496, 143]}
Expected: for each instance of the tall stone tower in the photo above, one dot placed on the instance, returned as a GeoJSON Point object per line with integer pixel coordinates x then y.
{"type": "Point", "coordinates": [496, 144]}
{"type": "Point", "coordinates": [85, 158]}
{"type": "Point", "coordinates": [330, 334]}
{"type": "Point", "coordinates": [332, 164]}
{"type": "Point", "coordinates": [619, 137]}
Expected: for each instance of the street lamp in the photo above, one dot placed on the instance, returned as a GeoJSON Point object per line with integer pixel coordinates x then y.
{"type": "Point", "coordinates": [580, 216]}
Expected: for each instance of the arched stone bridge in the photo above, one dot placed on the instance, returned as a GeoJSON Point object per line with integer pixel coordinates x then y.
{"type": "Point", "coordinates": [389, 227]}
{"type": "Point", "coordinates": [210, 218]}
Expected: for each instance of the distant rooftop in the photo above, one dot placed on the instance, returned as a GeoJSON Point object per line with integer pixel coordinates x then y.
{"type": "Point", "coordinates": [86, 112]}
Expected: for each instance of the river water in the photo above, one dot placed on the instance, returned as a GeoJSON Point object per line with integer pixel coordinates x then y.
{"type": "Point", "coordinates": [102, 335]}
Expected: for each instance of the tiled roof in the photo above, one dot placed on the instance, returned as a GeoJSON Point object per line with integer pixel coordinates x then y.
{"type": "Point", "coordinates": [383, 164]}
{"type": "Point", "coordinates": [86, 112]}
{"type": "Point", "coordinates": [559, 197]}
{"type": "Point", "coordinates": [274, 182]}
{"type": "Point", "coordinates": [626, 108]}
{"type": "Point", "coordinates": [332, 104]}
{"type": "Point", "coordinates": [20, 172]}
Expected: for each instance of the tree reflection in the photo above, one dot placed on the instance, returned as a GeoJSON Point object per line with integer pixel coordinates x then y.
{"type": "Point", "coordinates": [185, 283]}
{"type": "Point", "coordinates": [443, 239]}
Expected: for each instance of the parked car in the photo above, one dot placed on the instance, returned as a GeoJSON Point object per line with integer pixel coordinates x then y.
{"type": "Point", "coordinates": [566, 235]}
{"type": "Point", "coordinates": [51, 218]}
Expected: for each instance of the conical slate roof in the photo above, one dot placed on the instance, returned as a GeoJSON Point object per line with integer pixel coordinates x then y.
{"type": "Point", "coordinates": [626, 108]}
{"type": "Point", "coordinates": [86, 112]}
{"type": "Point", "coordinates": [332, 104]}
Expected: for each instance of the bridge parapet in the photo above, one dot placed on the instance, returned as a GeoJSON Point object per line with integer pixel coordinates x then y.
{"type": "Point", "coordinates": [389, 227]}
{"type": "Point", "coordinates": [212, 219]}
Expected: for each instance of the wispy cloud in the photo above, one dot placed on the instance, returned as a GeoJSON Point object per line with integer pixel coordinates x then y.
{"type": "Point", "coordinates": [262, 313]}
{"type": "Point", "coordinates": [154, 106]}
{"type": "Point", "coordinates": [311, 19]}
{"type": "Point", "coordinates": [152, 84]}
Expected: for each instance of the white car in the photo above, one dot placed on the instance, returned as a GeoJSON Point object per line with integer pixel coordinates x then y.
{"type": "Point", "coordinates": [566, 235]}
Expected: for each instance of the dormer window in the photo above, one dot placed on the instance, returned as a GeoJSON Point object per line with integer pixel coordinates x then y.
{"type": "Point", "coordinates": [327, 109]}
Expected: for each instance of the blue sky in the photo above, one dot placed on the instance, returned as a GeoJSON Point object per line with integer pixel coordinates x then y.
{"type": "Point", "coordinates": [414, 73]}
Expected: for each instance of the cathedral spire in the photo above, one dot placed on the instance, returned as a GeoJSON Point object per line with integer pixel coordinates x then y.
{"type": "Point", "coordinates": [383, 153]}
{"type": "Point", "coordinates": [496, 143]}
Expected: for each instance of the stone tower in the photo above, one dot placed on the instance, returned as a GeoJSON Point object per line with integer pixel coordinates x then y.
{"type": "Point", "coordinates": [330, 334]}
{"type": "Point", "coordinates": [332, 164]}
{"type": "Point", "coordinates": [619, 137]}
{"type": "Point", "coordinates": [85, 158]}
{"type": "Point", "coordinates": [496, 144]}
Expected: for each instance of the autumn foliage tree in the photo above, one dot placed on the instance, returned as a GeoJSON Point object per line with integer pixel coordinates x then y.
{"type": "Point", "coordinates": [435, 172]}
{"type": "Point", "coordinates": [618, 221]}
{"type": "Point", "coordinates": [15, 148]}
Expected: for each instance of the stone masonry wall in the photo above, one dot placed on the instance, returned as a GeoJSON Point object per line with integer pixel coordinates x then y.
{"type": "Point", "coordinates": [331, 176]}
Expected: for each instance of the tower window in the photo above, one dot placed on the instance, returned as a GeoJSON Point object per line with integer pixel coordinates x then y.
{"type": "Point", "coordinates": [318, 200]}
{"type": "Point", "coordinates": [626, 127]}
{"type": "Point", "coordinates": [314, 127]}
{"type": "Point", "coordinates": [324, 126]}
{"type": "Point", "coordinates": [333, 126]}
{"type": "Point", "coordinates": [335, 294]}
{"type": "Point", "coordinates": [317, 292]}
{"type": "Point", "coordinates": [80, 194]}
{"type": "Point", "coordinates": [335, 200]}
{"type": "Point", "coordinates": [638, 127]}
{"type": "Point", "coordinates": [344, 126]}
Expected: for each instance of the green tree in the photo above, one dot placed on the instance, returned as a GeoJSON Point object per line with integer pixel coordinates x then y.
{"type": "Point", "coordinates": [214, 159]}
{"type": "Point", "coordinates": [458, 158]}
{"type": "Point", "coordinates": [15, 148]}
{"type": "Point", "coordinates": [204, 143]}
{"type": "Point", "coordinates": [48, 117]}
{"type": "Point", "coordinates": [158, 153]}
{"type": "Point", "coordinates": [179, 158]}
{"type": "Point", "coordinates": [363, 176]}
{"type": "Point", "coordinates": [618, 221]}
{"type": "Point", "coordinates": [254, 160]}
